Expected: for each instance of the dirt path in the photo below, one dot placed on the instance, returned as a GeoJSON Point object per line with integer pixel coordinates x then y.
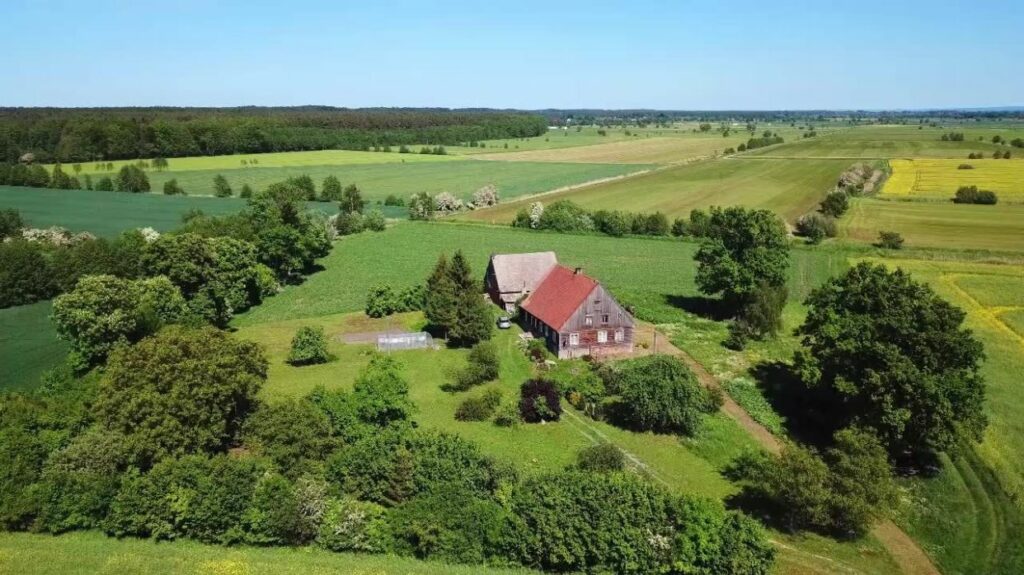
{"type": "Point", "coordinates": [904, 550]}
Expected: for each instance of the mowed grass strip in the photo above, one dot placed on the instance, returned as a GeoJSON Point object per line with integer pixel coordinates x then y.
{"type": "Point", "coordinates": [93, 553]}
{"type": "Point", "coordinates": [937, 224]}
{"type": "Point", "coordinates": [377, 181]}
{"type": "Point", "coordinates": [940, 179]}
{"type": "Point", "coordinates": [268, 160]}
{"type": "Point", "coordinates": [659, 150]}
{"type": "Point", "coordinates": [787, 187]}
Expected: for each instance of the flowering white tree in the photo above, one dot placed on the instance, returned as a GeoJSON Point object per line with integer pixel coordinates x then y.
{"type": "Point", "coordinates": [447, 203]}
{"type": "Point", "coordinates": [149, 234]}
{"type": "Point", "coordinates": [536, 211]}
{"type": "Point", "coordinates": [485, 196]}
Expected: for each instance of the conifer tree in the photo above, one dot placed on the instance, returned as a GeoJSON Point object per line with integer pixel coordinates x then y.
{"type": "Point", "coordinates": [472, 316]}
{"type": "Point", "coordinates": [440, 299]}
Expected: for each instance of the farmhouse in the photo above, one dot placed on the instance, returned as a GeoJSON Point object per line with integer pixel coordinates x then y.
{"type": "Point", "coordinates": [510, 277]}
{"type": "Point", "coordinates": [571, 311]}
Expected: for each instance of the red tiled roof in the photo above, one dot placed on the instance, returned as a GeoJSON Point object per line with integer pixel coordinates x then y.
{"type": "Point", "coordinates": [559, 296]}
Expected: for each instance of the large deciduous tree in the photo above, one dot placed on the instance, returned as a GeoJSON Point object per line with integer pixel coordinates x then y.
{"type": "Point", "coordinates": [132, 179]}
{"type": "Point", "coordinates": [885, 352]}
{"type": "Point", "coordinates": [180, 391]}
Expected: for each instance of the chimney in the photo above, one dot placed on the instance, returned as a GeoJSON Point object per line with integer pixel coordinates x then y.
{"type": "Point", "coordinates": [577, 271]}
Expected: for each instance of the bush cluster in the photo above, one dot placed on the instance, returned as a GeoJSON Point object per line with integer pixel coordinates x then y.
{"type": "Point", "coordinates": [479, 407]}
{"type": "Point", "coordinates": [972, 195]}
{"type": "Point", "coordinates": [658, 393]}
{"type": "Point", "coordinates": [309, 346]}
{"type": "Point", "coordinates": [383, 301]}
{"type": "Point", "coordinates": [565, 216]}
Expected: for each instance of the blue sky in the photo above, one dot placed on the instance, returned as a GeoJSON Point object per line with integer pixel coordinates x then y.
{"type": "Point", "coordinates": [524, 54]}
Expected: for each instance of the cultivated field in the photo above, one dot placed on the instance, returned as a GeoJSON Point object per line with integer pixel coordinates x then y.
{"type": "Point", "coordinates": [661, 150]}
{"type": "Point", "coordinates": [937, 224]}
{"type": "Point", "coordinates": [377, 181]}
{"type": "Point", "coordinates": [790, 188]}
{"type": "Point", "coordinates": [940, 179]}
{"type": "Point", "coordinates": [28, 345]}
{"type": "Point", "coordinates": [884, 142]}
{"type": "Point", "coordinates": [269, 160]}
{"type": "Point", "coordinates": [95, 554]}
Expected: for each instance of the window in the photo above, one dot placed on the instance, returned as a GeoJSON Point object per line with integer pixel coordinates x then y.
{"type": "Point", "coordinates": [588, 321]}
{"type": "Point", "coordinates": [620, 335]}
{"type": "Point", "coordinates": [574, 339]}
{"type": "Point", "coordinates": [602, 336]}
{"type": "Point", "coordinates": [604, 318]}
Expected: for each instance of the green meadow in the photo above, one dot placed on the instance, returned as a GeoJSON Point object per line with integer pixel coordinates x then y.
{"type": "Point", "coordinates": [28, 345]}
{"type": "Point", "coordinates": [789, 187]}
{"type": "Point", "coordinates": [94, 554]}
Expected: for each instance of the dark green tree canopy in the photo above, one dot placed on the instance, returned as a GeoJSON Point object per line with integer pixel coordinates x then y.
{"type": "Point", "coordinates": [885, 352]}
{"type": "Point", "coordinates": [180, 391]}
{"type": "Point", "coordinates": [741, 249]}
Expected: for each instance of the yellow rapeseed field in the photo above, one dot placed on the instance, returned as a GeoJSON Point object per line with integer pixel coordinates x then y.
{"type": "Point", "coordinates": [939, 179]}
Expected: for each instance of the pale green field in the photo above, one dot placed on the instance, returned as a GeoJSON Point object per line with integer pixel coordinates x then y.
{"type": "Point", "coordinates": [937, 224]}
{"type": "Point", "coordinates": [271, 160]}
{"type": "Point", "coordinates": [94, 554]}
{"type": "Point", "coordinates": [788, 187]}
{"type": "Point", "coordinates": [884, 142]}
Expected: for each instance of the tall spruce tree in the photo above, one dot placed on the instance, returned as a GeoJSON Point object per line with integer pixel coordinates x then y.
{"type": "Point", "coordinates": [440, 297]}
{"type": "Point", "coordinates": [472, 316]}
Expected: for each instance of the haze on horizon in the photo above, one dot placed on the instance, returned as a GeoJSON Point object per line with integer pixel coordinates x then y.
{"type": "Point", "coordinates": [684, 55]}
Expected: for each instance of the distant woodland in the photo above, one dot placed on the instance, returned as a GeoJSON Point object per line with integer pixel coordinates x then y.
{"type": "Point", "coordinates": [89, 134]}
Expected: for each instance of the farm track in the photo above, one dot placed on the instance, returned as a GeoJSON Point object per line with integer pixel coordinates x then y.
{"type": "Point", "coordinates": [911, 559]}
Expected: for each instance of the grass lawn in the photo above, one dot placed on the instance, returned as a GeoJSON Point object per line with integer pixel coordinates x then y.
{"type": "Point", "coordinates": [937, 224]}
{"type": "Point", "coordinates": [93, 553]}
{"type": "Point", "coordinates": [28, 345]}
{"type": "Point", "coordinates": [377, 181]}
{"type": "Point", "coordinates": [788, 187]}
{"type": "Point", "coordinates": [940, 179]}
{"type": "Point", "coordinates": [884, 142]}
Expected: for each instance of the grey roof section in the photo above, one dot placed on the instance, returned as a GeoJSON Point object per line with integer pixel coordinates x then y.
{"type": "Point", "coordinates": [516, 273]}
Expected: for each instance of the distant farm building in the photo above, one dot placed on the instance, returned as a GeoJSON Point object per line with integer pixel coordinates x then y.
{"type": "Point", "coordinates": [511, 277]}
{"type": "Point", "coordinates": [570, 311]}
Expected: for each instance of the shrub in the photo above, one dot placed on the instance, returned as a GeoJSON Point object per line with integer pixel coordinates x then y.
{"type": "Point", "coordinates": [380, 302]}
{"type": "Point", "coordinates": [578, 383]}
{"type": "Point", "coordinates": [331, 190]}
{"type": "Point", "coordinates": [680, 227]}
{"type": "Point", "coordinates": [482, 366]}
{"type": "Point", "coordinates": [890, 240]}
{"type": "Point", "coordinates": [658, 393]}
{"type": "Point", "coordinates": [294, 434]}
{"type": "Point", "coordinates": [972, 195]}
{"type": "Point", "coordinates": [539, 401]}
{"type": "Point", "coordinates": [309, 346]}
{"type": "Point", "coordinates": [838, 494]}
{"type": "Point", "coordinates": [507, 415]}
{"type": "Point", "coordinates": [965, 167]}
{"type": "Point", "coordinates": [348, 223]}
{"type": "Point", "coordinates": [615, 522]}
{"type": "Point", "coordinates": [536, 350]}
{"type": "Point", "coordinates": [422, 206]}
{"type": "Point", "coordinates": [451, 524]}
{"type": "Point", "coordinates": [351, 525]}
{"type": "Point", "coordinates": [480, 407]}
{"type": "Point", "coordinates": [393, 200]}
{"type": "Point", "coordinates": [374, 221]}
{"type": "Point", "coordinates": [602, 458]}
{"type": "Point", "coordinates": [835, 204]}
{"type": "Point", "coordinates": [171, 188]}
{"type": "Point", "coordinates": [815, 227]}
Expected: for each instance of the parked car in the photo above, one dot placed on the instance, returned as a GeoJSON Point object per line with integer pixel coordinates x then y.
{"type": "Point", "coordinates": [504, 322]}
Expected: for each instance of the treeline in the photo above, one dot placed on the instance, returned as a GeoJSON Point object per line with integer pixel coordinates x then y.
{"type": "Point", "coordinates": [90, 134]}
{"type": "Point", "coordinates": [568, 217]}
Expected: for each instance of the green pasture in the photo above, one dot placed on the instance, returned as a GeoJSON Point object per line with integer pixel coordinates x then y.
{"type": "Point", "coordinates": [788, 187]}
{"type": "Point", "coordinates": [939, 224]}
{"type": "Point", "coordinates": [377, 181]}
{"type": "Point", "coordinates": [94, 554]}
{"type": "Point", "coordinates": [28, 345]}
{"type": "Point", "coordinates": [884, 142]}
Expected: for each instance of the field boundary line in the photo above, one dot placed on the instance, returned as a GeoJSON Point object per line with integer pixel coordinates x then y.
{"type": "Point", "coordinates": [989, 314]}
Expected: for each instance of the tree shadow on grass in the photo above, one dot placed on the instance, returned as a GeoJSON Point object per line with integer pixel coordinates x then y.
{"type": "Point", "coordinates": [705, 307]}
{"type": "Point", "coordinates": [804, 419]}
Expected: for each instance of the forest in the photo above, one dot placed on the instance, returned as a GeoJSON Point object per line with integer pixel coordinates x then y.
{"type": "Point", "coordinates": [88, 134]}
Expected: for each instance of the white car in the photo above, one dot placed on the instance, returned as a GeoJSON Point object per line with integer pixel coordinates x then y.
{"type": "Point", "coordinates": [504, 322]}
